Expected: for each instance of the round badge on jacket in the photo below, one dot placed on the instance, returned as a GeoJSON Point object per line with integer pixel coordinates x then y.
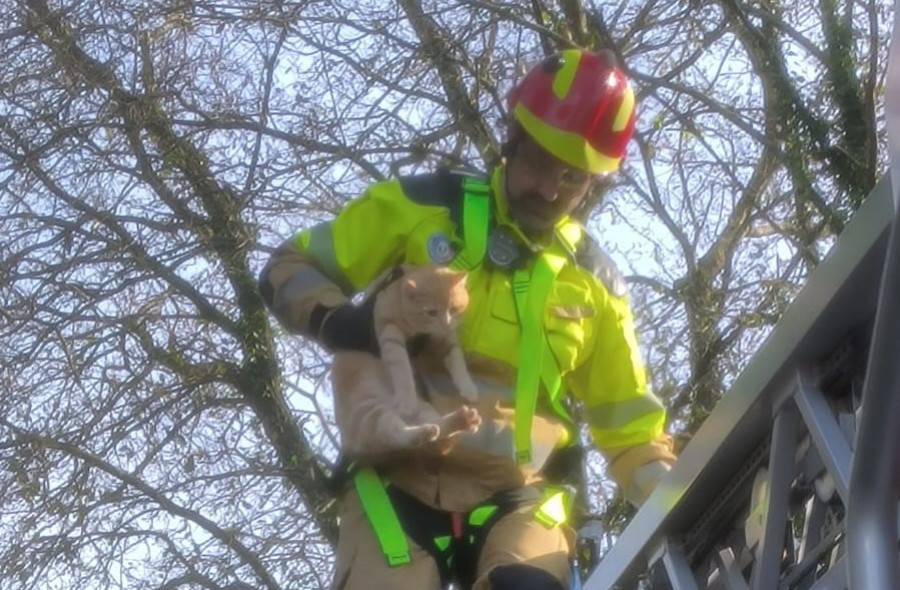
{"type": "Point", "coordinates": [502, 249]}
{"type": "Point", "coordinates": [440, 251]}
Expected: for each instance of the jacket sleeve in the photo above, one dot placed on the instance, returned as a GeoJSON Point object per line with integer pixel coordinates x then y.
{"type": "Point", "coordinates": [625, 418]}
{"type": "Point", "coordinates": [323, 266]}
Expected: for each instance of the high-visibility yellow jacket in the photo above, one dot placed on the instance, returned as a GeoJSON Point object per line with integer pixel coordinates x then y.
{"type": "Point", "coordinates": [588, 322]}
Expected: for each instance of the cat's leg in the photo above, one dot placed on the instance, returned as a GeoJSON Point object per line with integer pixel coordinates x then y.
{"type": "Point", "coordinates": [395, 360]}
{"type": "Point", "coordinates": [455, 363]}
{"type": "Point", "coordinates": [408, 437]}
{"type": "Point", "coordinates": [379, 428]}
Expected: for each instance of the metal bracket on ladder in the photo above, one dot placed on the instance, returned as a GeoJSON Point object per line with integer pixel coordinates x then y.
{"type": "Point", "coordinates": [758, 499]}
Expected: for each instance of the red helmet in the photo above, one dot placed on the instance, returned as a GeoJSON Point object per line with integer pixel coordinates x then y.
{"type": "Point", "coordinates": [579, 107]}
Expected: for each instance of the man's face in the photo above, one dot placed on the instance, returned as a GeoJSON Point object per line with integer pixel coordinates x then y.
{"type": "Point", "coordinates": [541, 189]}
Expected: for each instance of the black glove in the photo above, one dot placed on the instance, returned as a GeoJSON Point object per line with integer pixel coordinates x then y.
{"type": "Point", "coordinates": [349, 327]}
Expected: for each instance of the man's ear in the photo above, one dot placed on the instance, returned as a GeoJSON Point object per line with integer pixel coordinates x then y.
{"type": "Point", "coordinates": [514, 134]}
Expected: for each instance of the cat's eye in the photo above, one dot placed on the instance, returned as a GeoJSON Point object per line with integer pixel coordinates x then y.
{"type": "Point", "coordinates": [432, 313]}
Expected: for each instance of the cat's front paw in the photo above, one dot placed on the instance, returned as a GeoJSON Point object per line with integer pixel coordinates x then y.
{"type": "Point", "coordinates": [471, 419]}
{"type": "Point", "coordinates": [465, 419]}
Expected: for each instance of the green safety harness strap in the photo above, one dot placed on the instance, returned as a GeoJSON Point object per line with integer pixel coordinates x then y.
{"type": "Point", "coordinates": [381, 515]}
{"type": "Point", "coordinates": [530, 289]}
{"type": "Point", "coordinates": [476, 218]}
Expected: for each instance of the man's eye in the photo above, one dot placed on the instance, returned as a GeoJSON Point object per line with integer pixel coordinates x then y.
{"type": "Point", "coordinates": [573, 178]}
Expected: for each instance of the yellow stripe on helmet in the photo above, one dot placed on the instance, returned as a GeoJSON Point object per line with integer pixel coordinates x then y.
{"type": "Point", "coordinates": [569, 147]}
{"type": "Point", "coordinates": [623, 115]}
{"type": "Point", "coordinates": [563, 79]}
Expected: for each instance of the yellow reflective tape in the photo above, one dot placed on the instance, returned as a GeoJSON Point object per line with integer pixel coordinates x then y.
{"type": "Point", "coordinates": [554, 510]}
{"type": "Point", "coordinates": [300, 282]}
{"type": "Point", "coordinates": [623, 115]}
{"type": "Point", "coordinates": [564, 77]}
{"type": "Point", "coordinates": [568, 146]}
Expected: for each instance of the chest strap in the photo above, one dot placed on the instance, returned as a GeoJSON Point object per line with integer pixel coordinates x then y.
{"type": "Point", "coordinates": [530, 288]}
{"type": "Point", "coordinates": [536, 361]}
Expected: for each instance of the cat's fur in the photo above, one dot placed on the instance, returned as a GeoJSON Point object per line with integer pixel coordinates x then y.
{"type": "Point", "coordinates": [377, 406]}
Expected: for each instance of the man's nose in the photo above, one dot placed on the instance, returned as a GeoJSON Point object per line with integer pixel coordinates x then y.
{"type": "Point", "coordinates": [548, 186]}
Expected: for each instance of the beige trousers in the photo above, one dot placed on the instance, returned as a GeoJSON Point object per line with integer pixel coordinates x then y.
{"type": "Point", "coordinates": [516, 538]}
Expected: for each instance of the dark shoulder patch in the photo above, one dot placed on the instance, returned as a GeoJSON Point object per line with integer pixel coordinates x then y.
{"type": "Point", "coordinates": [590, 256]}
{"type": "Point", "coordinates": [439, 189]}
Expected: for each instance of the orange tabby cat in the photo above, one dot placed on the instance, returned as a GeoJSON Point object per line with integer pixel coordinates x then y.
{"type": "Point", "coordinates": [377, 406]}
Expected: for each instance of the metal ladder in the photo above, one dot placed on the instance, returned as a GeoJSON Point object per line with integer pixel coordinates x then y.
{"type": "Point", "coordinates": [793, 481]}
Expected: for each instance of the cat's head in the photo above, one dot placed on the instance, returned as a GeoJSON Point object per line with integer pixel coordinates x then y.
{"type": "Point", "coordinates": [434, 298]}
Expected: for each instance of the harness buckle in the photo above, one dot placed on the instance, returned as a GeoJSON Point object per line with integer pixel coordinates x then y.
{"type": "Point", "coordinates": [397, 559]}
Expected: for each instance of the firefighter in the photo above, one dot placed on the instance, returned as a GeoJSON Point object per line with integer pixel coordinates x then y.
{"type": "Point", "coordinates": [548, 322]}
